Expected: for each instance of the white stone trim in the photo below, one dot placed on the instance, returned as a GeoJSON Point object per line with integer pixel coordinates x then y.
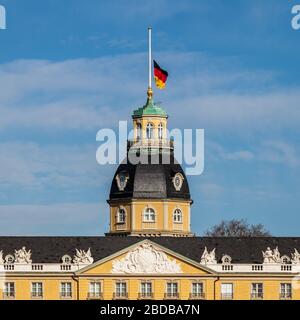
{"type": "Point", "coordinates": [44, 268]}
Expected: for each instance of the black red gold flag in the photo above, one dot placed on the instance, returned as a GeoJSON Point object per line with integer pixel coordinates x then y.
{"type": "Point", "coordinates": [160, 76]}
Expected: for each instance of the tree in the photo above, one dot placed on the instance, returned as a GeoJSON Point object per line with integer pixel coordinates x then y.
{"type": "Point", "coordinates": [237, 228]}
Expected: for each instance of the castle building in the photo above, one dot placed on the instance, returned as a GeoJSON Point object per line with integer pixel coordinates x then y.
{"type": "Point", "coordinates": [149, 251]}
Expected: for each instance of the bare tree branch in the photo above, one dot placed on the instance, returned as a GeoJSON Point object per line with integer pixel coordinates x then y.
{"type": "Point", "coordinates": [237, 228]}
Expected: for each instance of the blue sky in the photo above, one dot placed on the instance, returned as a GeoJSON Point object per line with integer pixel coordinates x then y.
{"type": "Point", "coordinates": [70, 68]}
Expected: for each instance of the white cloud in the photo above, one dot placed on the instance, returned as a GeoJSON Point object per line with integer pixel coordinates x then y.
{"type": "Point", "coordinates": [31, 166]}
{"type": "Point", "coordinates": [280, 152]}
{"type": "Point", "coordinates": [248, 114]}
{"type": "Point", "coordinates": [87, 94]}
{"type": "Point", "coordinates": [263, 151]}
{"type": "Point", "coordinates": [218, 152]}
{"type": "Point", "coordinates": [54, 219]}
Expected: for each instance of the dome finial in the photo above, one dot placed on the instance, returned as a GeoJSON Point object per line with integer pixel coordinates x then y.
{"type": "Point", "coordinates": [149, 93]}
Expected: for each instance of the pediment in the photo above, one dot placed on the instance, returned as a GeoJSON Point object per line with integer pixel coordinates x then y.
{"type": "Point", "coordinates": [145, 258]}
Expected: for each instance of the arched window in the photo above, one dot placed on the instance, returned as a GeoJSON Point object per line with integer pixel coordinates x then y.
{"type": "Point", "coordinates": [138, 131]}
{"type": "Point", "coordinates": [121, 215]}
{"type": "Point", "coordinates": [177, 216]}
{"type": "Point", "coordinates": [149, 130]}
{"type": "Point", "coordinates": [160, 131]}
{"type": "Point", "coordinates": [149, 215]}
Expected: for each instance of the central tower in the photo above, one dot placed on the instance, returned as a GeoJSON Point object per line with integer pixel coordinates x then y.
{"type": "Point", "coordinates": [149, 194]}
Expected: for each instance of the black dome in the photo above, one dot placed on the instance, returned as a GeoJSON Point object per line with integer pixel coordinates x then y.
{"type": "Point", "coordinates": [150, 181]}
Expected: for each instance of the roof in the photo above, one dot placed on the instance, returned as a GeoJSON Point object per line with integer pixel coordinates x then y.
{"type": "Point", "coordinates": [150, 181]}
{"type": "Point", "coordinates": [241, 250]}
{"type": "Point", "coordinates": [150, 108]}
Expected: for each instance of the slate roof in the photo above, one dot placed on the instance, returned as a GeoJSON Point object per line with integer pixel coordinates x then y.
{"type": "Point", "coordinates": [242, 250]}
{"type": "Point", "coordinates": [150, 181]}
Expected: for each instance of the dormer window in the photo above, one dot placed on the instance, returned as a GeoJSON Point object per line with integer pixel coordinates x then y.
{"type": "Point", "coordinates": [9, 259]}
{"type": "Point", "coordinates": [66, 259]}
{"type": "Point", "coordinates": [285, 260]}
{"type": "Point", "coordinates": [226, 259]}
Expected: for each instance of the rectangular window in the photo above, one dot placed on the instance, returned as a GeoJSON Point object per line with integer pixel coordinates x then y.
{"type": "Point", "coordinates": [197, 290]}
{"type": "Point", "coordinates": [95, 289]}
{"type": "Point", "coordinates": [226, 291]}
{"type": "Point", "coordinates": [121, 290]}
{"type": "Point", "coordinates": [146, 290]}
{"type": "Point", "coordinates": [285, 291]}
{"type": "Point", "coordinates": [172, 290]}
{"type": "Point", "coordinates": [66, 290]}
{"type": "Point", "coordinates": [9, 290]}
{"type": "Point", "coordinates": [257, 291]}
{"type": "Point", "coordinates": [37, 290]}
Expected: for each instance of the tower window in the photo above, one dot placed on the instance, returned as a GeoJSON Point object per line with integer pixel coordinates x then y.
{"type": "Point", "coordinates": [121, 215]}
{"type": "Point", "coordinates": [160, 131]}
{"type": "Point", "coordinates": [138, 131]}
{"type": "Point", "coordinates": [149, 130]}
{"type": "Point", "coordinates": [149, 215]}
{"type": "Point", "coordinates": [177, 216]}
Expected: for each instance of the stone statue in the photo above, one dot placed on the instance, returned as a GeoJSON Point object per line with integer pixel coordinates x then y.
{"type": "Point", "coordinates": [277, 255]}
{"type": "Point", "coordinates": [82, 257]}
{"type": "Point", "coordinates": [208, 257]}
{"type": "Point", "coordinates": [295, 257]}
{"type": "Point", "coordinates": [22, 256]}
{"type": "Point", "coordinates": [271, 256]}
{"type": "Point", "coordinates": [1, 257]}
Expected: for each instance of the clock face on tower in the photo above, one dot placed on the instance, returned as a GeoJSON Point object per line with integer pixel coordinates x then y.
{"type": "Point", "coordinates": [122, 178]}
{"type": "Point", "coordinates": [178, 181]}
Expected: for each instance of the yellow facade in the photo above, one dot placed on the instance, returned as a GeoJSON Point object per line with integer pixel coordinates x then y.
{"type": "Point", "coordinates": [164, 217]}
{"type": "Point", "coordinates": [190, 273]}
{"type": "Point", "coordinates": [80, 287]}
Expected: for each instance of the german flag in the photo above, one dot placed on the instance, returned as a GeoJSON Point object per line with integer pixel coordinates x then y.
{"type": "Point", "coordinates": [160, 76]}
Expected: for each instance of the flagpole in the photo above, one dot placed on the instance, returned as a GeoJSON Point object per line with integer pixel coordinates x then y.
{"type": "Point", "coordinates": [149, 92]}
